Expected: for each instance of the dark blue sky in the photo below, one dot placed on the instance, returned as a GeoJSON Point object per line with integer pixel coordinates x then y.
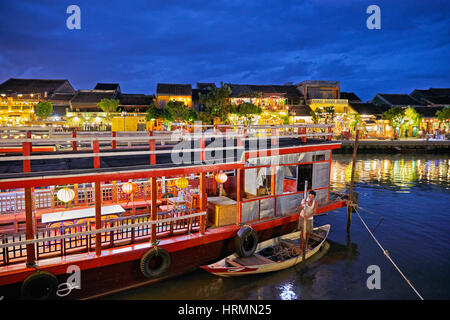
{"type": "Point", "coordinates": [140, 43]}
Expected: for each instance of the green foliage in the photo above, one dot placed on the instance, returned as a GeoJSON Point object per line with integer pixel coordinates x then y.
{"type": "Point", "coordinates": [248, 111]}
{"type": "Point", "coordinates": [43, 109]}
{"type": "Point", "coordinates": [217, 104]}
{"type": "Point", "coordinates": [180, 112]}
{"type": "Point", "coordinates": [412, 117]}
{"type": "Point", "coordinates": [396, 115]}
{"type": "Point", "coordinates": [109, 106]}
{"type": "Point", "coordinates": [444, 114]}
{"type": "Point", "coordinates": [355, 120]}
{"type": "Point", "coordinates": [156, 113]}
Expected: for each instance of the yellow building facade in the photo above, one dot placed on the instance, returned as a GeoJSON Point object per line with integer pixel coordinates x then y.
{"type": "Point", "coordinates": [17, 110]}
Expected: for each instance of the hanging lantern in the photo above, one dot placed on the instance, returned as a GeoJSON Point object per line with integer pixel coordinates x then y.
{"type": "Point", "coordinates": [129, 187]}
{"type": "Point", "coordinates": [221, 178]}
{"type": "Point", "coordinates": [65, 195]}
{"type": "Point", "coordinates": [182, 183]}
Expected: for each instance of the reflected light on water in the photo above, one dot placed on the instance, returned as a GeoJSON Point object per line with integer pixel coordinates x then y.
{"type": "Point", "coordinates": [402, 171]}
{"type": "Point", "coordinates": [287, 292]}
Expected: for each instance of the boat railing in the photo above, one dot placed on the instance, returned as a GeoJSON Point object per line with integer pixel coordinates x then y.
{"type": "Point", "coordinates": [80, 237]}
{"type": "Point", "coordinates": [13, 202]}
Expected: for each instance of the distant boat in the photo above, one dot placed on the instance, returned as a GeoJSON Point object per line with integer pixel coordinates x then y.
{"type": "Point", "coordinates": [271, 255]}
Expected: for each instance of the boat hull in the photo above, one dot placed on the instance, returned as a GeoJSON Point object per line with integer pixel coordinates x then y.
{"type": "Point", "coordinates": [264, 268]}
{"type": "Point", "coordinates": [103, 280]}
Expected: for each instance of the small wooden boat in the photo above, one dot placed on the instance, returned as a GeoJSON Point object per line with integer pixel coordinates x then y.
{"type": "Point", "coordinates": [271, 255]}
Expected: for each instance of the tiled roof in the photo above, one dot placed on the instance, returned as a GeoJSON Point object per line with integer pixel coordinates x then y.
{"type": "Point", "coordinates": [29, 86]}
{"type": "Point", "coordinates": [439, 96]}
{"type": "Point", "coordinates": [350, 96]}
{"type": "Point", "coordinates": [62, 97]}
{"type": "Point", "coordinates": [205, 86]}
{"type": "Point", "coordinates": [136, 99]}
{"type": "Point", "coordinates": [368, 108]}
{"type": "Point", "coordinates": [92, 96]}
{"type": "Point", "coordinates": [174, 89]}
{"type": "Point", "coordinates": [427, 111]}
{"type": "Point", "coordinates": [107, 86]}
{"type": "Point", "coordinates": [246, 90]}
{"type": "Point", "coordinates": [399, 99]}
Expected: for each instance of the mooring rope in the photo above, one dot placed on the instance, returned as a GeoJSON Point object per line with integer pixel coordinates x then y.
{"type": "Point", "coordinates": [386, 253]}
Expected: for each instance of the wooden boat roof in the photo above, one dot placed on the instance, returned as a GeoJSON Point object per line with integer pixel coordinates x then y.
{"type": "Point", "coordinates": [137, 166]}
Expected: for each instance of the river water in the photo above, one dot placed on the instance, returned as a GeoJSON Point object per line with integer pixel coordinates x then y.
{"type": "Point", "coordinates": [408, 196]}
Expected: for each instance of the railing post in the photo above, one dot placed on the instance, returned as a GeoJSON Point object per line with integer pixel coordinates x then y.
{"type": "Point", "coordinates": [240, 141]}
{"type": "Point", "coordinates": [114, 191]}
{"type": "Point", "coordinates": [152, 147]}
{"type": "Point", "coordinates": [153, 217]}
{"type": "Point", "coordinates": [74, 143]}
{"type": "Point", "coordinates": [31, 254]}
{"type": "Point", "coordinates": [96, 149]}
{"type": "Point", "coordinates": [203, 201]}
{"type": "Point", "coordinates": [239, 190]}
{"type": "Point", "coordinates": [113, 141]}
{"type": "Point", "coordinates": [202, 153]}
{"type": "Point", "coordinates": [302, 130]}
{"type": "Point", "coordinates": [75, 189]}
{"type": "Point", "coordinates": [273, 133]}
{"type": "Point", "coordinates": [26, 152]}
{"type": "Point", "coordinates": [98, 218]}
{"type": "Point", "coordinates": [330, 131]}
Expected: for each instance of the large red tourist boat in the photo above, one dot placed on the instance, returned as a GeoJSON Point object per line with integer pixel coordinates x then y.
{"type": "Point", "coordinates": [84, 223]}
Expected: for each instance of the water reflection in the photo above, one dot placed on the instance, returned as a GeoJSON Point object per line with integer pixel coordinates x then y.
{"type": "Point", "coordinates": [413, 223]}
{"type": "Point", "coordinates": [402, 171]}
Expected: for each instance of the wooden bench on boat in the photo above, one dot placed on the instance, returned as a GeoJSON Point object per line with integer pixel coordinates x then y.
{"type": "Point", "coordinates": [255, 259]}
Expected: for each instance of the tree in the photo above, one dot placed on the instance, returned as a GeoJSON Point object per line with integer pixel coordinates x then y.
{"type": "Point", "coordinates": [412, 117]}
{"type": "Point", "coordinates": [323, 115]}
{"type": "Point", "coordinates": [396, 116]}
{"type": "Point", "coordinates": [43, 109]}
{"type": "Point", "coordinates": [355, 120]}
{"type": "Point", "coordinates": [248, 111]}
{"type": "Point", "coordinates": [217, 104]}
{"type": "Point", "coordinates": [180, 112]}
{"type": "Point", "coordinates": [444, 116]}
{"type": "Point", "coordinates": [154, 113]}
{"type": "Point", "coordinates": [109, 106]}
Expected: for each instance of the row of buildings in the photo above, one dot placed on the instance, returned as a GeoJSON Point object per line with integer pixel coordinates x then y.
{"type": "Point", "coordinates": [78, 108]}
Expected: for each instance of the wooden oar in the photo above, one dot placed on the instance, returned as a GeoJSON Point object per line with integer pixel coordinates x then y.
{"type": "Point", "coordinates": [304, 224]}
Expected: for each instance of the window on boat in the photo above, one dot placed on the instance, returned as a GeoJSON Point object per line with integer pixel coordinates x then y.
{"type": "Point", "coordinates": [304, 173]}
{"type": "Point", "coordinates": [258, 182]}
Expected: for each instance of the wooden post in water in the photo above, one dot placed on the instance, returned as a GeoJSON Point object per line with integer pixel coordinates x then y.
{"type": "Point", "coordinates": [305, 245]}
{"type": "Point", "coordinates": [352, 180]}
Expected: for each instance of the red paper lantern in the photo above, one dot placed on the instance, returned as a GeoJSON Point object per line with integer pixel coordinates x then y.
{"type": "Point", "coordinates": [221, 178]}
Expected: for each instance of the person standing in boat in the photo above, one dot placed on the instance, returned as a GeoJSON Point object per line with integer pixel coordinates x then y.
{"type": "Point", "coordinates": [308, 209]}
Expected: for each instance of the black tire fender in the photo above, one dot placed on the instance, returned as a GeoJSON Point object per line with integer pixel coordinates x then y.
{"type": "Point", "coordinates": [160, 265]}
{"type": "Point", "coordinates": [41, 285]}
{"type": "Point", "coordinates": [245, 242]}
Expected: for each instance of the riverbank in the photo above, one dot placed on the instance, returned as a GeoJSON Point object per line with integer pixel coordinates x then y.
{"type": "Point", "coordinates": [396, 146]}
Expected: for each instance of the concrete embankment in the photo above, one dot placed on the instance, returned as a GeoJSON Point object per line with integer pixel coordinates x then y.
{"type": "Point", "coordinates": [395, 146]}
